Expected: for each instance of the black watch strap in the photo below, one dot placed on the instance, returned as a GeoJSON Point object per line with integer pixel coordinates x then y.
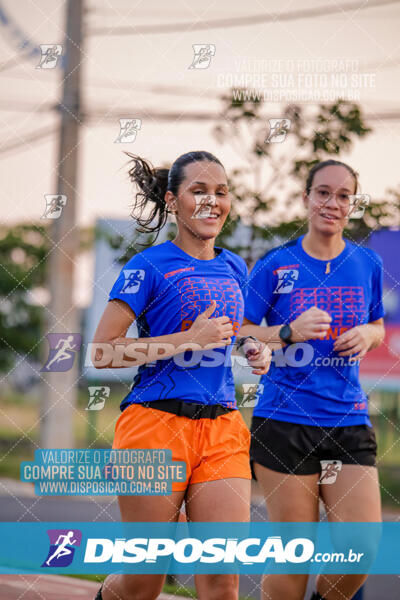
{"type": "Point", "coordinates": [241, 341]}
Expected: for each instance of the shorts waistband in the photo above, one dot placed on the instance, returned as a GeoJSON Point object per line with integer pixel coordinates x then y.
{"type": "Point", "coordinates": [191, 410]}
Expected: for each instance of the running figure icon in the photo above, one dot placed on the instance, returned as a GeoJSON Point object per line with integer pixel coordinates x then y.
{"type": "Point", "coordinates": [286, 281]}
{"type": "Point", "coordinates": [62, 549]}
{"type": "Point", "coordinates": [62, 354]}
{"type": "Point", "coordinates": [133, 279]}
{"type": "Point", "coordinates": [63, 347]}
{"type": "Point", "coordinates": [54, 206]}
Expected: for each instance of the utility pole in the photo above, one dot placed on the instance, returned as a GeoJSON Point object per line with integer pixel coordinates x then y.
{"type": "Point", "coordinates": [60, 391]}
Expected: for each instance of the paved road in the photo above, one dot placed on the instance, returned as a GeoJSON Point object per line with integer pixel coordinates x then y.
{"type": "Point", "coordinates": [50, 587]}
{"type": "Point", "coordinates": [45, 587]}
{"type": "Point", "coordinates": [30, 508]}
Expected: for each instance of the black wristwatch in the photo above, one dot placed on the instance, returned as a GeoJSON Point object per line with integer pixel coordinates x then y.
{"type": "Point", "coordinates": [285, 333]}
{"type": "Point", "coordinates": [241, 341]}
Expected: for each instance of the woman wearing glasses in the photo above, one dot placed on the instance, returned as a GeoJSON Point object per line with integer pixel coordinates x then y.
{"type": "Point", "coordinates": [321, 296]}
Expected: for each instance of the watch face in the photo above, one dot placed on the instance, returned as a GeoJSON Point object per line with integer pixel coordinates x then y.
{"type": "Point", "coordinates": [285, 333]}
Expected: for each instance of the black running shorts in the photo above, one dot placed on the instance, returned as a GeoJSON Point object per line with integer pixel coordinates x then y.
{"type": "Point", "coordinates": [299, 449]}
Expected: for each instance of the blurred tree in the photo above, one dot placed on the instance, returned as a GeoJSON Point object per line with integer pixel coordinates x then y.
{"type": "Point", "coordinates": [378, 214]}
{"type": "Point", "coordinates": [267, 189]}
{"type": "Point", "coordinates": [23, 252]}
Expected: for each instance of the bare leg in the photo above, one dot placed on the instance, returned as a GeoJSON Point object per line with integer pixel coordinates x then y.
{"type": "Point", "coordinates": [354, 497]}
{"type": "Point", "coordinates": [142, 509]}
{"type": "Point", "coordinates": [288, 498]}
{"type": "Point", "coordinates": [225, 500]}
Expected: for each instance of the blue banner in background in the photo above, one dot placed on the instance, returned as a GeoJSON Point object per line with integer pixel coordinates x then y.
{"type": "Point", "coordinates": [62, 548]}
{"type": "Point", "coordinates": [386, 243]}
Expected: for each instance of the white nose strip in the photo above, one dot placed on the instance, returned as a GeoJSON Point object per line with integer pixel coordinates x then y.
{"type": "Point", "coordinates": [204, 204]}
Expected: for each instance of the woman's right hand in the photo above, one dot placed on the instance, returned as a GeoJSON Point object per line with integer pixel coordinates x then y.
{"type": "Point", "coordinates": [212, 333]}
{"type": "Point", "coordinates": [311, 324]}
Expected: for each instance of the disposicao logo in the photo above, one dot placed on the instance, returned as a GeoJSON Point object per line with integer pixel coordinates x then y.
{"type": "Point", "coordinates": [191, 550]}
{"type": "Point", "coordinates": [62, 547]}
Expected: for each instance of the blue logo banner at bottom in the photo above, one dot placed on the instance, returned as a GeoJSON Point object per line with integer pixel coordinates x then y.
{"type": "Point", "coordinates": [199, 547]}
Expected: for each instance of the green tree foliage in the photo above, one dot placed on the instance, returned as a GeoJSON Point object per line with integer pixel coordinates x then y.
{"type": "Point", "coordinates": [267, 188]}
{"type": "Point", "coordinates": [23, 251]}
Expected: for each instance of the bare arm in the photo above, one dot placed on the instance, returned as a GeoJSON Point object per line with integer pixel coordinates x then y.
{"type": "Point", "coordinates": [268, 335]}
{"type": "Point", "coordinates": [111, 347]}
{"type": "Point", "coordinates": [360, 339]}
{"type": "Point", "coordinates": [377, 329]}
{"type": "Point", "coordinates": [311, 324]}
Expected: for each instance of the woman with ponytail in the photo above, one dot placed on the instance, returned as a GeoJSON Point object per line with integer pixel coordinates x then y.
{"type": "Point", "coordinates": [186, 297]}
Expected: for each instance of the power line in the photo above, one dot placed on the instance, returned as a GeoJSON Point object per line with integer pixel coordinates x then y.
{"type": "Point", "coordinates": [35, 136]}
{"type": "Point", "coordinates": [388, 116]}
{"type": "Point", "coordinates": [11, 62]}
{"type": "Point", "coordinates": [107, 117]}
{"type": "Point", "coordinates": [28, 47]}
{"type": "Point", "coordinates": [180, 90]}
{"type": "Point", "coordinates": [154, 88]}
{"type": "Point", "coordinates": [18, 106]}
{"type": "Point", "coordinates": [239, 21]}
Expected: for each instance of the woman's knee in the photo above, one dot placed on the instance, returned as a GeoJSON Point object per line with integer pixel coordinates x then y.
{"type": "Point", "coordinates": [288, 586]}
{"type": "Point", "coordinates": [338, 587]}
{"type": "Point", "coordinates": [135, 587]}
{"type": "Point", "coordinates": [218, 587]}
{"type": "Point", "coordinates": [140, 590]}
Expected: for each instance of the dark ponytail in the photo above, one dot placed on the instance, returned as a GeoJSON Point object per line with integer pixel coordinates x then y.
{"type": "Point", "coordinates": [153, 183]}
{"type": "Point", "coordinates": [329, 163]}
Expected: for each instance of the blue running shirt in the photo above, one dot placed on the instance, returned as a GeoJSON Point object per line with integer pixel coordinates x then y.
{"type": "Point", "coordinates": [308, 382]}
{"type": "Point", "coordinates": [167, 289]}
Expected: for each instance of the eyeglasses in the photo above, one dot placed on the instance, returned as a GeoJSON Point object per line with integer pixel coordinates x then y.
{"type": "Point", "coordinates": [324, 196]}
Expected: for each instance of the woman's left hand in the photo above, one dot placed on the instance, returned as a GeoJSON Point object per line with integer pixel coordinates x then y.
{"type": "Point", "coordinates": [356, 341]}
{"type": "Point", "coordinates": [258, 356]}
